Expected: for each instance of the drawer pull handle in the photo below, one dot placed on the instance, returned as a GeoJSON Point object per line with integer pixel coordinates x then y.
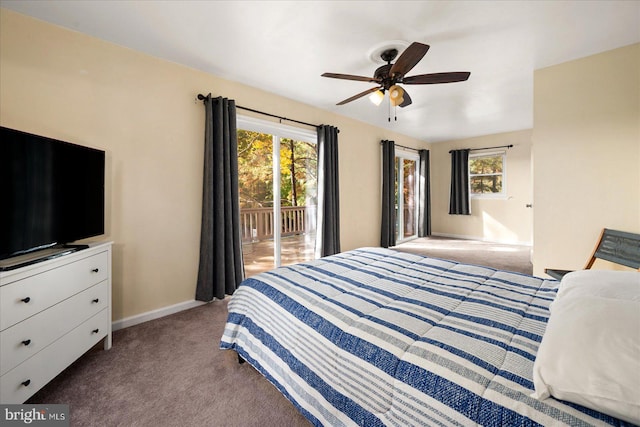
{"type": "Point", "coordinates": [26, 300]}
{"type": "Point", "coordinates": [95, 331]}
{"type": "Point", "coordinates": [96, 300]}
{"type": "Point", "coordinates": [26, 383]}
{"type": "Point", "coordinates": [26, 342]}
{"type": "Point", "coordinates": [95, 270]}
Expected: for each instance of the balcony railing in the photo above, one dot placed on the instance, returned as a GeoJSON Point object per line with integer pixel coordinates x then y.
{"type": "Point", "coordinates": [257, 223]}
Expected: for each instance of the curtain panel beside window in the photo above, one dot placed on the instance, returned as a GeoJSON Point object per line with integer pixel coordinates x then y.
{"type": "Point", "coordinates": [221, 267]}
{"type": "Point", "coordinates": [459, 196]}
{"type": "Point", "coordinates": [388, 226]}
{"type": "Point", "coordinates": [424, 195]}
{"type": "Point", "coordinates": [328, 225]}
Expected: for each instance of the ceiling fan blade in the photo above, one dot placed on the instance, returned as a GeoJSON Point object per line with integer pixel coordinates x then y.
{"type": "Point", "coordinates": [407, 100]}
{"type": "Point", "coordinates": [360, 95]}
{"type": "Point", "coordinates": [427, 79]}
{"type": "Point", "coordinates": [409, 58]}
{"type": "Point", "coordinates": [351, 77]}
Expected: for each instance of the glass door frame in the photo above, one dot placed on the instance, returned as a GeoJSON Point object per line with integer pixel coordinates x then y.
{"type": "Point", "coordinates": [277, 202]}
{"type": "Point", "coordinates": [278, 131]}
{"type": "Point", "coordinates": [401, 155]}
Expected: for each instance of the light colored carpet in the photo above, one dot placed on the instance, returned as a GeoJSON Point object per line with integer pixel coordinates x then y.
{"type": "Point", "coordinates": [169, 372]}
{"type": "Point", "coordinates": [501, 256]}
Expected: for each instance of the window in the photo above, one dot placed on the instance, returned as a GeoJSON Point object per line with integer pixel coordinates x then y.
{"type": "Point", "coordinates": [277, 167]}
{"type": "Point", "coordinates": [406, 187]}
{"type": "Point", "coordinates": [487, 174]}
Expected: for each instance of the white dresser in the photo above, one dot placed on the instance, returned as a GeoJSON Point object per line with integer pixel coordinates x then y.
{"type": "Point", "coordinates": [51, 313]}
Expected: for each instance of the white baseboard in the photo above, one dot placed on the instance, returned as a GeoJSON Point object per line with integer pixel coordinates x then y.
{"type": "Point", "coordinates": [482, 239]}
{"type": "Point", "coordinates": [154, 314]}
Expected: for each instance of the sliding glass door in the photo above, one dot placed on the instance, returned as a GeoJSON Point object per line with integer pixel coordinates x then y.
{"type": "Point", "coordinates": [277, 167]}
{"type": "Point", "coordinates": [406, 168]}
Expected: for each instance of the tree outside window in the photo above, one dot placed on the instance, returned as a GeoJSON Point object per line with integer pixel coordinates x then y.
{"type": "Point", "coordinates": [486, 174]}
{"type": "Point", "coordinates": [298, 170]}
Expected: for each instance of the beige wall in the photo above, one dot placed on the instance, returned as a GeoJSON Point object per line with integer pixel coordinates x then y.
{"type": "Point", "coordinates": [586, 141]}
{"type": "Point", "coordinates": [142, 111]}
{"type": "Point", "coordinates": [497, 220]}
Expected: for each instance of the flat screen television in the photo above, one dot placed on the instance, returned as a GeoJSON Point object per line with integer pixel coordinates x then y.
{"type": "Point", "coordinates": [51, 192]}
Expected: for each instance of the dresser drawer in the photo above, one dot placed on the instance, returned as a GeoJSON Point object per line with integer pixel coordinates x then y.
{"type": "Point", "coordinates": [20, 383]}
{"type": "Point", "coordinates": [24, 339]}
{"type": "Point", "coordinates": [26, 297]}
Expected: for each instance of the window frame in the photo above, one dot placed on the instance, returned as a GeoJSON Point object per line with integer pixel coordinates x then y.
{"type": "Point", "coordinates": [277, 131]}
{"type": "Point", "coordinates": [272, 128]}
{"type": "Point", "coordinates": [400, 155]}
{"type": "Point", "coordinates": [503, 193]}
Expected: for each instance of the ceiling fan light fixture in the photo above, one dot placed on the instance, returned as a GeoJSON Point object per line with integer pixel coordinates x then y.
{"type": "Point", "coordinates": [376, 97]}
{"type": "Point", "coordinates": [396, 102]}
{"type": "Point", "coordinates": [396, 95]}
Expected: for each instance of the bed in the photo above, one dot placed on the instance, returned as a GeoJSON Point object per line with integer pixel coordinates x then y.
{"type": "Point", "coordinates": [379, 337]}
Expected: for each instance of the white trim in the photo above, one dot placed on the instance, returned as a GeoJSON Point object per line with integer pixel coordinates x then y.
{"type": "Point", "coordinates": [411, 155]}
{"type": "Point", "coordinates": [277, 213]}
{"type": "Point", "coordinates": [488, 153]}
{"type": "Point", "coordinates": [482, 239]}
{"type": "Point", "coordinates": [155, 314]}
{"type": "Point", "coordinates": [272, 128]}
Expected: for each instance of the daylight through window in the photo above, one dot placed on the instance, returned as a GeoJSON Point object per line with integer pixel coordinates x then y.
{"type": "Point", "coordinates": [277, 173]}
{"type": "Point", "coordinates": [487, 174]}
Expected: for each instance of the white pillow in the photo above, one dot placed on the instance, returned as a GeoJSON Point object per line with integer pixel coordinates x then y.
{"type": "Point", "coordinates": [590, 355]}
{"type": "Point", "coordinates": [603, 283]}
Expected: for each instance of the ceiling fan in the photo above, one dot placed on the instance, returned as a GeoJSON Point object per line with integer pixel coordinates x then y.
{"type": "Point", "coordinates": [389, 76]}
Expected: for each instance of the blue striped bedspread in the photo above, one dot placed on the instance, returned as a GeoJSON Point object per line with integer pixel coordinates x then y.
{"type": "Point", "coordinates": [379, 337]}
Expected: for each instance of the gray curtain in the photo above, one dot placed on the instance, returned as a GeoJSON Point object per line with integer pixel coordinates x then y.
{"type": "Point", "coordinates": [424, 195]}
{"type": "Point", "coordinates": [328, 228]}
{"type": "Point", "coordinates": [459, 198]}
{"type": "Point", "coordinates": [388, 228]}
{"type": "Point", "coordinates": [221, 267]}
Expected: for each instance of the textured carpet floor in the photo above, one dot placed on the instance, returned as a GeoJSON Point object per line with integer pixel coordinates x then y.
{"type": "Point", "coordinates": [503, 257]}
{"type": "Point", "coordinates": [170, 372]}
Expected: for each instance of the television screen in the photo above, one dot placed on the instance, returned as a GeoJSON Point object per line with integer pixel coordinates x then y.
{"type": "Point", "coordinates": [52, 192]}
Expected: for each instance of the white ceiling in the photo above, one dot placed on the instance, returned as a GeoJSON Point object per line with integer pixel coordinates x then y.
{"type": "Point", "coordinates": [283, 47]}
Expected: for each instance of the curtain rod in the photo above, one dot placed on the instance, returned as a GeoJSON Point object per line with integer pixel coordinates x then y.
{"type": "Point", "coordinates": [403, 146]}
{"type": "Point", "coordinates": [201, 97]}
{"type": "Point", "coordinates": [487, 148]}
